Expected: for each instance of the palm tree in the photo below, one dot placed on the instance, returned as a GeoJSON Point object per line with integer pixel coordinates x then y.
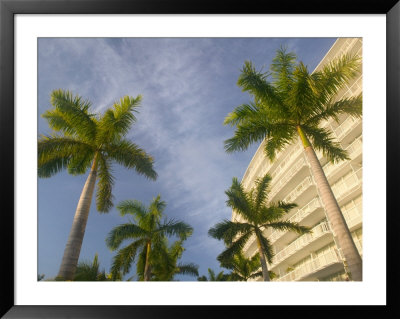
{"type": "Point", "coordinates": [293, 105]}
{"type": "Point", "coordinates": [165, 263]}
{"type": "Point", "coordinates": [86, 140]}
{"type": "Point", "coordinates": [147, 232]}
{"type": "Point", "coordinates": [258, 215]}
{"type": "Point", "coordinates": [244, 268]}
{"type": "Point", "coordinates": [90, 271]}
{"type": "Point", "coordinates": [212, 277]}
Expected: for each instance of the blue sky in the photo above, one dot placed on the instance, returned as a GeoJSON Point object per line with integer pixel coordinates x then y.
{"type": "Point", "coordinates": [188, 86]}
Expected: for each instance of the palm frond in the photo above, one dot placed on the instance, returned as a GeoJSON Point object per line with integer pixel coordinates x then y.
{"type": "Point", "coordinates": [322, 140]}
{"type": "Point", "coordinates": [238, 199]}
{"type": "Point", "coordinates": [265, 245]}
{"type": "Point", "coordinates": [55, 153]}
{"type": "Point", "coordinates": [122, 232]}
{"type": "Point", "coordinates": [301, 98]}
{"type": "Point", "coordinates": [255, 82]}
{"type": "Point", "coordinates": [133, 207]}
{"type": "Point", "coordinates": [256, 129]}
{"type": "Point", "coordinates": [58, 122]}
{"type": "Point", "coordinates": [104, 197]}
{"type": "Point", "coordinates": [278, 141]}
{"type": "Point", "coordinates": [351, 106]}
{"type": "Point", "coordinates": [131, 156]}
{"type": "Point", "coordinates": [80, 162]}
{"type": "Point", "coordinates": [282, 69]}
{"type": "Point", "coordinates": [228, 230]}
{"type": "Point", "coordinates": [141, 262]}
{"type": "Point", "coordinates": [286, 206]}
{"type": "Point", "coordinates": [86, 271]}
{"type": "Point", "coordinates": [117, 121]}
{"type": "Point", "coordinates": [262, 187]}
{"type": "Point", "coordinates": [335, 75]}
{"type": "Point", "coordinates": [175, 228]}
{"type": "Point", "coordinates": [245, 135]}
{"type": "Point", "coordinates": [257, 274]}
{"type": "Point", "coordinates": [242, 113]}
{"type": "Point", "coordinates": [188, 269]}
{"type": "Point", "coordinates": [234, 248]}
{"type": "Point", "coordinates": [74, 112]}
{"type": "Point", "coordinates": [286, 225]}
{"type": "Point", "coordinates": [157, 206]}
{"type": "Point", "coordinates": [124, 258]}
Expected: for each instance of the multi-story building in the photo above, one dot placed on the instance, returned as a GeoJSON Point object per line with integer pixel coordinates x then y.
{"type": "Point", "coordinates": [314, 256]}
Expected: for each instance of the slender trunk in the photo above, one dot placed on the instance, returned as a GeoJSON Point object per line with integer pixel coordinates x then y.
{"type": "Point", "coordinates": [264, 266]}
{"type": "Point", "coordinates": [333, 212]}
{"type": "Point", "coordinates": [74, 243]}
{"type": "Point", "coordinates": [147, 266]}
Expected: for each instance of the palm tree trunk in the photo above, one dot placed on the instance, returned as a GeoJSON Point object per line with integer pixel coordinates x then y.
{"type": "Point", "coordinates": [333, 212]}
{"type": "Point", "coordinates": [264, 266]}
{"type": "Point", "coordinates": [74, 243]}
{"type": "Point", "coordinates": [147, 266]}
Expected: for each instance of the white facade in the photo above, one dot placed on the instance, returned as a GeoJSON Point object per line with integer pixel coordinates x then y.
{"type": "Point", "coordinates": [315, 256]}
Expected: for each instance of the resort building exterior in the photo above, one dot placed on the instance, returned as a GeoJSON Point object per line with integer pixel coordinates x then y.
{"type": "Point", "coordinates": [314, 256]}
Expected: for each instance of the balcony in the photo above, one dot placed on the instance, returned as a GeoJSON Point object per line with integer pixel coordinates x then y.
{"type": "Point", "coordinates": [354, 149]}
{"type": "Point", "coordinates": [301, 242]}
{"type": "Point", "coordinates": [296, 218]}
{"type": "Point", "coordinates": [283, 181]}
{"type": "Point", "coordinates": [296, 151]}
{"type": "Point", "coordinates": [345, 127]}
{"type": "Point", "coordinates": [312, 267]}
{"type": "Point", "coordinates": [352, 213]}
{"type": "Point", "coordinates": [299, 189]}
{"type": "Point", "coordinates": [347, 184]}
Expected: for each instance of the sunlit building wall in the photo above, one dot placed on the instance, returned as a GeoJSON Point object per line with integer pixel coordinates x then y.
{"type": "Point", "coordinates": [314, 257]}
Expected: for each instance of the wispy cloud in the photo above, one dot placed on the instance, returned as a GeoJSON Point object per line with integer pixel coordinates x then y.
{"type": "Point", "coordinates": [188, 87]}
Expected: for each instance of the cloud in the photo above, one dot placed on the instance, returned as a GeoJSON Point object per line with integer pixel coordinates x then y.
{"type": "Point", "coordinates": [188, 87]}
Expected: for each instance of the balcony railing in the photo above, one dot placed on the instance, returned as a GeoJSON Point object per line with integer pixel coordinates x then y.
{"type": "Point", "coordinates": [296, 218]}
{"type": "Point", "coordinates": [256, 171]}
{"type": "Point", "coordinates": [352, 215]}
{"type": "Point", "coordinates": [301, 242]}
{"type": "Point", "coordinates": [346, 183]}
{"type": "Point", "coordinates": [287, 160]}
{"type": "Point", "coordinates": [353, 150]}
{"type": "Point", "coordinates": [300, 188]}
{"type": "Point", "coordinates": [345, 127]}
{"type": "Point", "coordinates": [312, 266]}
{"type": "Point", "coordinates": [285, 179]}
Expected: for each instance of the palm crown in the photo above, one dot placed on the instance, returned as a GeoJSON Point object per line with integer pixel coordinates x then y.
{"type": "Point", "coordinates": [148, 233]}
{"type": "Point", "coordinates": [257, 215]}
{"type": "Point", "coordinates": [90, 271]}
{"type": "Point", "coordinates": [221, 276]}
{"type": "Point", "coordinates": [243, 268]}
{"type": "Point", "coordinates": [294, 102]}
{"type": "Point", "coordinates": [165, 263]}
{"type": "Point", "coordinates": [83, 139]}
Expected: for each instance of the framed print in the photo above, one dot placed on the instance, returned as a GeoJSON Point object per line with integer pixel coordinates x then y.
{"type": "Point", "coordinates": [182, 64]}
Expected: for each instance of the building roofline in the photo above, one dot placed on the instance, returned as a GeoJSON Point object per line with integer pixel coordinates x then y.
{"type": "Point", "coordinates": [326, 54]}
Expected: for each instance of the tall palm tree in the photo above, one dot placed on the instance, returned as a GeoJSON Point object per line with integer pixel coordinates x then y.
{"type": "Point", "coordinates": [84, 140]}
{"type": "Point", "coordinates": [292, 106]}
{"type": "Point", "coordinates": [214, 277]}
{"type": "Point", "coordinates": [147, 231]}
{"type": "Point", "coordinates": [258, 215]}
{"type": "Point", "coordinates": [90, 271]}
{"type": "Point", "coordinates": [244, 268]}
{"type": "Point", "coordinates": [165, 263]}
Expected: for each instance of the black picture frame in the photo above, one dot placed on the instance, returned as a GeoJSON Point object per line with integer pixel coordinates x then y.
{"type": "Point", "coordinates": [8, 9]}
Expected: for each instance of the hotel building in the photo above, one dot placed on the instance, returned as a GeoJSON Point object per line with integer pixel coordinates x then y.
{"type": "Point", "coordinates": [314, 256]}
